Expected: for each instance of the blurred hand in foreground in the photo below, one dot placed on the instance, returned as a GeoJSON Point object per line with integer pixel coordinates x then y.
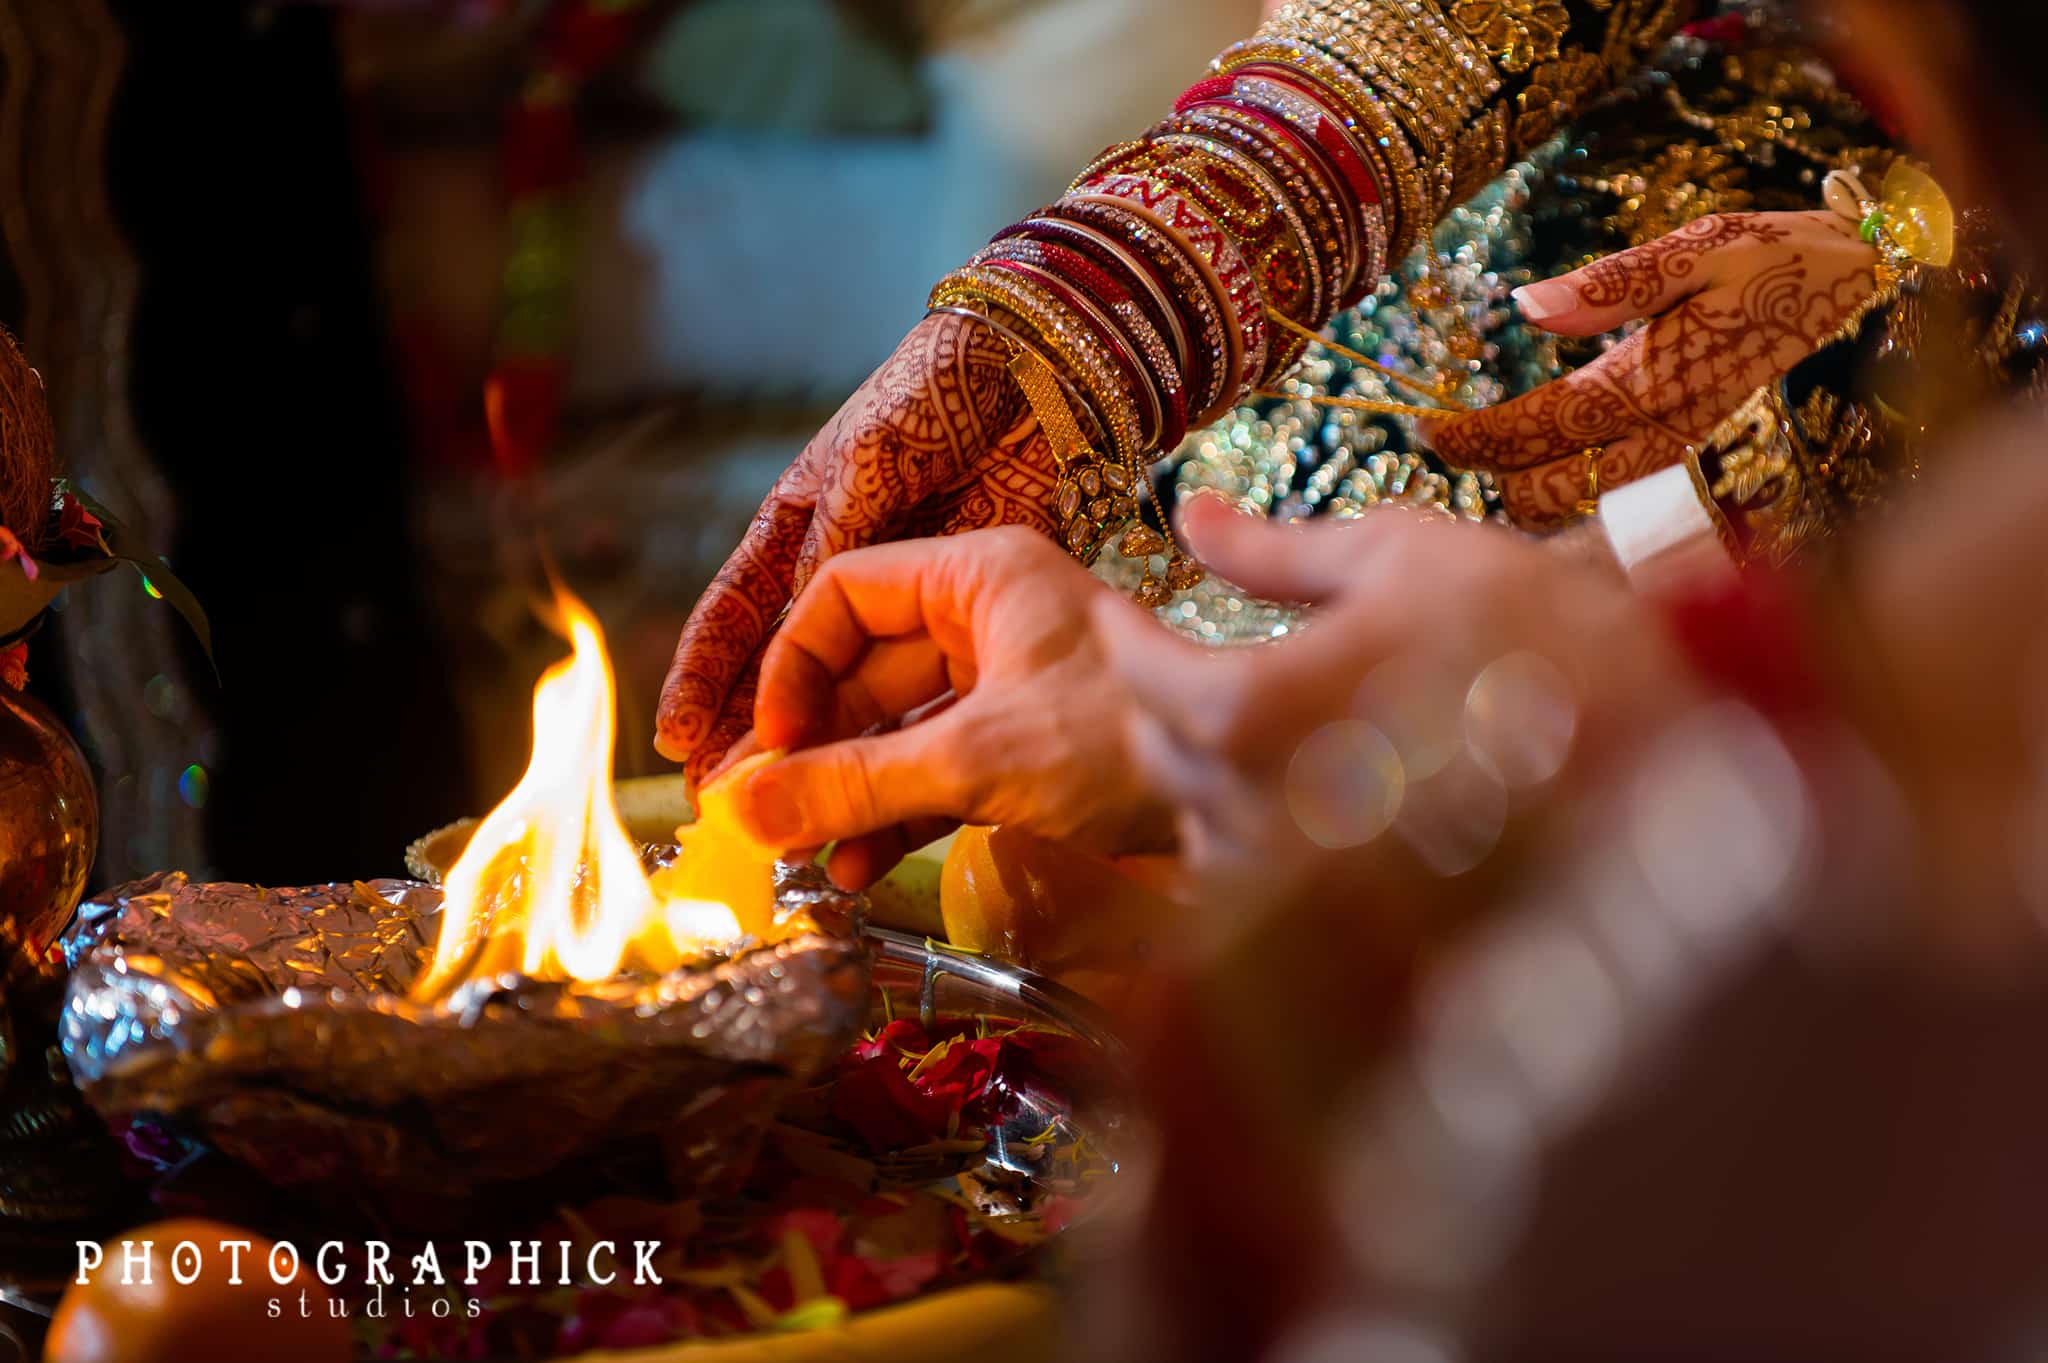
{"type": "Point", "coordinates": [1452, 676]}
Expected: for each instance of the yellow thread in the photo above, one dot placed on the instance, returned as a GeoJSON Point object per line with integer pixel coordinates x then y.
{"type": "Point", "coordinates": [1352, 404]}
{"type": "Point", "coordinates": [1438, 392]}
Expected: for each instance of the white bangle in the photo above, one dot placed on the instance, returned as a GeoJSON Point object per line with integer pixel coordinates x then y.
{"type": "Point", "coordinates": [1659, 527]}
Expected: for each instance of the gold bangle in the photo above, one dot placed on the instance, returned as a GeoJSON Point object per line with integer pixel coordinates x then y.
{"type": "Point", "coordinates": [1093, 436]}
{"type": "Point", "coordinates": [1313, 188]}
{"type": "Point", "coordinates": [1163, 309]}
{"type": "Point", "coordinates": [1061, 333]}
{"type": "Point", "coordinates": [1160, 380]}
{"type": "Point", "coordinates": [1144, 387]}
{"type": "Point", "coordinates": [1270, 253]}
{"type": "Point", "coordinates": [1308, 110]}
{"type": "Point", "coordinates": [1196, 293]}
{"type": "Point", "coordinates": [1205, 269]}
{"type": "Point", "coordinates": [1095, 497]}
{"type": "Point", "coordinates": [1377, 133]}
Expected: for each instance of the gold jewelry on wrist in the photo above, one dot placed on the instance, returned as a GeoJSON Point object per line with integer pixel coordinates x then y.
{"type": "Point", "coordinates": [1096, 496]}
{"type": "Point", "coordinates": [1076, 407]}
{"type": "Point", "coordinates": [1435, 79]}
{"type": "Point", "coordinates": [1163, 309]}
{"type": "Point", "coordinates": [1315, 191]}
{"type": "Point", "coordinates": [1315, 121]}
{"type": "Point", "coordinates": [1195, 287]}
{"type": "Point", "coordinates": [1377, 132]}
{"type": "Point", "coordinates": [1143, 386]}
{"type": "Point", "coordinates": [1214, 250]}
{"type": "Point", "coordinates": [1062, 334]}
{"type": "Point", "coordinates": [1216, 170]}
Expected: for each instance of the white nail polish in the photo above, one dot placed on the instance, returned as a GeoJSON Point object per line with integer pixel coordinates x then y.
{"type": "Point", "coordinates": [1534, 309]}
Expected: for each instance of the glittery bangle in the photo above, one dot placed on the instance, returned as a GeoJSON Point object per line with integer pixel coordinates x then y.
{"type": "Point", "coordinates": [1281, 94]}
{"type": "Point", "coordinates": [1176, 214]}
{"type": "Point", "coordinates": [1137, 330]}
{"type": "Point", "coordinates": [1061, 333]}
{"type": "Point", "coordinates": [1107, 160]}
{"type": "Point", "coordinates": [1213, 288]}
{"type": "Point", "coordinates": [1435, 80]}
{"type": "Point", "coordinates": [1094, 496]}
{"type": "Point", "coordinates": [1286, 160]}
{"type": "Point", "coordinates": [1372, 124]}
{"type": "Point", "coordinates": [1299, 167]}
{"type": "Point", "coordinates": [1152, 347]}
{"type": "Point", "coordinates": [1196, 291]}
{"type": "Point", "coordinates": [1137, 385]}
{"type": "Point", "coordinates": [1269, 152]}
{"type": "Point", "coordinates": [1296, 103]}
{"type": "Point", "coordinates": [1288, 96]}
{"type": "Point", "coordinates": [1270, 230]}
{"type": "Point", "coordinates": [1144, 285]}
{"type": "Point", "coordinates": [983, 313]}
{"type": "Point", "coordinates": [1260, 220]}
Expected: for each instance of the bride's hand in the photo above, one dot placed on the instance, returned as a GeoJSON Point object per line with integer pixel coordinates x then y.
{"type": "Point", "coordinates": [939, 440]}
{"type": "Point", "coordinates": [1736, 300]}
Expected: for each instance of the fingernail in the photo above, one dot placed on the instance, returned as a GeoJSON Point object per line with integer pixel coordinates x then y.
{"type": "Point", "coordinates": [1551, 298]}
{"type": "Point", "coordinates": [769, 809]}
{"type": "Point", "coordinates": [1209, 501]}
{"type": "Point", "coordinates": [1201, 502]}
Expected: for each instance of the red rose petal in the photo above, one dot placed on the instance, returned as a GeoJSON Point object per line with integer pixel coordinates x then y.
{"type": "Point", "coordinates": [879, 1102]}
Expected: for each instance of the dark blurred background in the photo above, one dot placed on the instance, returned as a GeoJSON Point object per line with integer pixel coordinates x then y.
{"type": "Point", "coordinates": [264, 255]}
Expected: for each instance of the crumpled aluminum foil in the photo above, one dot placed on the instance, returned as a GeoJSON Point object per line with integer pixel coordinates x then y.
{"type": "Point", "coordinates": [274, 1026]}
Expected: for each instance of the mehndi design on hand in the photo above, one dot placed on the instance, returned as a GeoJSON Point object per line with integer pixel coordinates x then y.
{"type": "Point", "coordinates": [1735, 302]}
{"type": "Point", "coordinates": [938, 439]}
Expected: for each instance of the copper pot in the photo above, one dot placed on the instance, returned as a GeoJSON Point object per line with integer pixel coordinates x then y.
{"type": "Point", "coordinates": [49, 830]}
{"type": "Point", "coordinates": [56, 1163]}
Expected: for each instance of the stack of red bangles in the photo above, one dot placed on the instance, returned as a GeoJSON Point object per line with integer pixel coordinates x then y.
{"type": "Point", "coordinates": [1189, 268]}
{"type": "Point", "coordinates": [1145, 299]}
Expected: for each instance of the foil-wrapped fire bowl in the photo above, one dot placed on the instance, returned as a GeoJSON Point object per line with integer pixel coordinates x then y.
{"type": "Point", "coordinates": [274, 1026]}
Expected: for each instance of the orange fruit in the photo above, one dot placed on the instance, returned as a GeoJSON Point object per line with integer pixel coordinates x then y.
{"type": "Point", "coordinates": [720, 862]}
{"type": "Point", "coordinates": [208, 1320]}
{"type": "Point", "coordinates": [1049, 908]}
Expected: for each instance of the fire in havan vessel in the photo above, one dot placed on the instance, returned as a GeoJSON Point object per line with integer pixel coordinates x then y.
{"type": "Point", "coordinates": [389, 1050]}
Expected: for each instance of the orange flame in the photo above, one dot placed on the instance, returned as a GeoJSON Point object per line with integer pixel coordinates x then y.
{"type": "Point", "coordinates": [551, 886]}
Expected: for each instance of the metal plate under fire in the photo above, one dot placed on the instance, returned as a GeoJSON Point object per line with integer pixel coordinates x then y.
{"type": "Point", "coordinates": [274, 1026]}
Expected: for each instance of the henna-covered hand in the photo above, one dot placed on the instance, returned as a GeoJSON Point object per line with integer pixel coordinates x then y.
{"type": "Point", "coordinates": [1736, 300]}
{"type": "Point", "coordinates": [939, 440]}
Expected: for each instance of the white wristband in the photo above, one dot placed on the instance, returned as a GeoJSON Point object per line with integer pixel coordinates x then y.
{"type": "Point", "coordinates": [1659, 525]}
